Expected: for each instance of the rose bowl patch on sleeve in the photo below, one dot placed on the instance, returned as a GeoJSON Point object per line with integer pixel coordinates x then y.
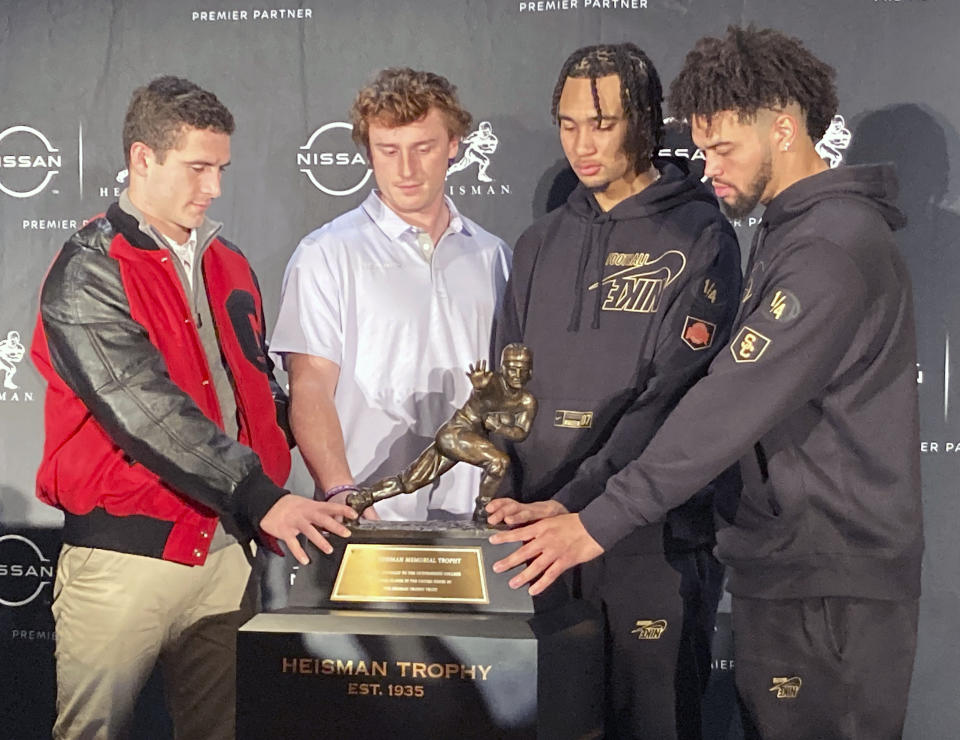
{"type": "Point", "coordinates": [697, 333]}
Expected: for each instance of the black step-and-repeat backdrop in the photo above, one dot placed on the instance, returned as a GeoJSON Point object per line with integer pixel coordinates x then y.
{"type": "Point", "coordinates": [289, 70]}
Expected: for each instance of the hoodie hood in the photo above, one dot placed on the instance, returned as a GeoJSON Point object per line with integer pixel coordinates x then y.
{"type": "Point", "coordinates": [674, 187]}
{"type": "Point", "coordinates": [874, 185]}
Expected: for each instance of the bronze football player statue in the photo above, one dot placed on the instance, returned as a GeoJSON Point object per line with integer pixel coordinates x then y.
{"type": "Point", "coordinates": [498, 404]}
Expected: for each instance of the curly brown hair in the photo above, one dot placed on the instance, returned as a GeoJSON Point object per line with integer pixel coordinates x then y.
{"type": "Point", "coordinates": [159, 111]}
{"type": "Point", "coordinates": [751, 69]}
{"type": "Point", "coordinates": [400, 95]}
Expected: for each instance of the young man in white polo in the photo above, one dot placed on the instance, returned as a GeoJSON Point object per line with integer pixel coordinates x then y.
{"type": "Point", "coordinates": [384, 307]}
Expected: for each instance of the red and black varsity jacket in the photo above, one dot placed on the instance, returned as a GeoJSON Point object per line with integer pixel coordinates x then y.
{"type": "Point", "coordinates": [135, 453]}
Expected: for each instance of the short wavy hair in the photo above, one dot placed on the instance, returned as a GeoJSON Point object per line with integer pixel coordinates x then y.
{"type": "Point", "coordinates": [400, 95]}
{"type": "Point", "coordinates": [159, 111]}
{"type": "Point", "coordinates": [753, 69]}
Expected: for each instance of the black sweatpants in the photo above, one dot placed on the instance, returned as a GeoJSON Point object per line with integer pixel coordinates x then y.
{"type": "Point", "coordinates": [833, 667]}
{"type": "Point", "coordinates": [660, 612]}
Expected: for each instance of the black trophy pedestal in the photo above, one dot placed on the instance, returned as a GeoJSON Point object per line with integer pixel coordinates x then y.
{"type": "Point", "coordinates": [421, 649]}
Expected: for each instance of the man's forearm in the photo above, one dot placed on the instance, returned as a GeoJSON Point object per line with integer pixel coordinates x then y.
{"type": "Point", "coordinates": [316, 427]}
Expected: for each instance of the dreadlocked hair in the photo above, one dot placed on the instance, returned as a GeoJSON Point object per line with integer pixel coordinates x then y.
{"type": "Point", "coordinates": [753, 69]}
{"type": "Point", "coordinates": [641, 93]}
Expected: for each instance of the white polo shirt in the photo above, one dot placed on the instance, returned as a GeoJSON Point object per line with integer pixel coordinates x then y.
{"type": "Point", "coordinates": [403, 324]}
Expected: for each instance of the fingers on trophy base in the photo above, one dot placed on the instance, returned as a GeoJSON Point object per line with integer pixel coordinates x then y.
{"type": "Point", "coordinates": [480, 514]}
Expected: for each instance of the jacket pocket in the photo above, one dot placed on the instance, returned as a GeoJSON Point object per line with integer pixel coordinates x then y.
{"type": "Point", "coordinates": [760, 504]}
{"type": "Point", "coordinates": [88, 470]}
{"type": "Point", "coordinates": [764, 470]}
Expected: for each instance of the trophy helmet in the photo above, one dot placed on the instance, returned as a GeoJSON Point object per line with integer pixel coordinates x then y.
{"type": "Point", "coordinates": [517, 352]}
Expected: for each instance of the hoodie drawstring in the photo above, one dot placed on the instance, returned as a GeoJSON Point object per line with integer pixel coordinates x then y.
{"type": "Point", "coordinates": [587, 244]}
{"type": "Point", "coordinates": [755, 246]}
{"type": "Point", "coordinates": [585, 240]}
{"type": "Point", "coordinates": [601, 258]}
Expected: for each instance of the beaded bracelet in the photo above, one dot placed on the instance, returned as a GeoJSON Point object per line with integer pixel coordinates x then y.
{"type": "Point", "coordinates": [339, 489]}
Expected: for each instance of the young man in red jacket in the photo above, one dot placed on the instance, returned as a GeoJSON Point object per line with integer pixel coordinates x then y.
{"type": "Point", "coordinates": [166, 443]}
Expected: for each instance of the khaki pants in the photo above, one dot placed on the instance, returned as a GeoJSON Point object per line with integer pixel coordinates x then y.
{"type": "Point", "coordinates": [117, 614]}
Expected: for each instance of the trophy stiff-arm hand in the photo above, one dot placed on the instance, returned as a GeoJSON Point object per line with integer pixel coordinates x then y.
{"type": "Point", "coordinates": [479, 375]}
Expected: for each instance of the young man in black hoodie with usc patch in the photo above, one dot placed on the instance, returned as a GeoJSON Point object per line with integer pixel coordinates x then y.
{"type": "Point", "coordinates": [816, 395]}
{"type": "Point", "coordinates": [624, 295]}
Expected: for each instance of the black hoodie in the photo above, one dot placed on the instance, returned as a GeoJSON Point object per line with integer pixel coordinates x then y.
{"type": "Point", "coordinates": [623, 310]}
{"type": "Point", "coordinates": [816, 395]}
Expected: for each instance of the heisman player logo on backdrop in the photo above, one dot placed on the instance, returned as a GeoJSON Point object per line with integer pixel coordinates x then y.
{"type": "Point", "coordinates": [12, 352]}
{"type": "Point", "coordinates": [478, 148]}
{"type": "Point", "coordinates": [834, 142]}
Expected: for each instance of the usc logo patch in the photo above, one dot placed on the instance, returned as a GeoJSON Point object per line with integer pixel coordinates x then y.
{"type": "Point", "coordinates": [749, 345]}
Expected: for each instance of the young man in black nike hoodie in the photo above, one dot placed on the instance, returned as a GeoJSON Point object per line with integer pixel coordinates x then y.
{"type": "Point", "coordinates": [816, 395]}
{"type": "Point", "coordinates": [624, 295]}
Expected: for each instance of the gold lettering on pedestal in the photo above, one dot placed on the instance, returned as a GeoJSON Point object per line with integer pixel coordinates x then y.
{"type": "Point", "coordinates": [463, 672]}
{"type": "Point", "coordinates": [333, 667]}
{"type": "Point", "coordinates": [309, 666]}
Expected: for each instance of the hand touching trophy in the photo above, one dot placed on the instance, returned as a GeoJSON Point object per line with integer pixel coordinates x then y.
{"type": "Point", "coordinates": [498, 404]}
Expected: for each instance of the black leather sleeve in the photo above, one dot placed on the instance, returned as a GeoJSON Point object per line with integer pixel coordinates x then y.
{"type": "Point", "coordinates": [281, 400]}
{"type": "Point", "coordinates": [107, 359]}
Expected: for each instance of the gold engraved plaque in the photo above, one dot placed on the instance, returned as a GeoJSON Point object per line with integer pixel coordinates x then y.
{"type": "Point", "coordinates": [422, 573]}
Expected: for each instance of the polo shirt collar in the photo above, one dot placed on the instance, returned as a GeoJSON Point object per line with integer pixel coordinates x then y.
{"type": "Point", "coordinates": [394, 226]}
